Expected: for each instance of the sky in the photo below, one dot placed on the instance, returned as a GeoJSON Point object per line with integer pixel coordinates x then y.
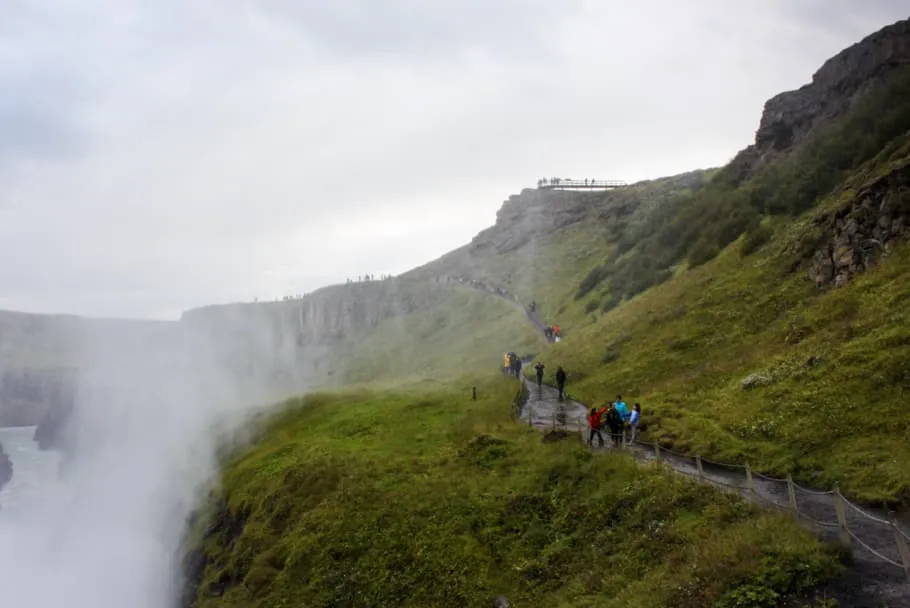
{"type": "Point", "coordinates": [157, 155]}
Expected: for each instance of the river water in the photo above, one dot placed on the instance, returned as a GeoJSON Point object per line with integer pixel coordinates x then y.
{"type": "Point", "coordinates": [35, 472]}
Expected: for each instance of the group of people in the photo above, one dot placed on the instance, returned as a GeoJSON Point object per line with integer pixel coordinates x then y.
{"type": "Point", "coordinates": [614, 417]}
{"type": "Point", "coordinates": [560, 378]}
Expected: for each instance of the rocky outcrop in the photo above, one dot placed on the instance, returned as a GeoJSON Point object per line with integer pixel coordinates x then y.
{"type": "Point", "coordinates": [862, 230]}
{"type": "Point", "coordinates": [534, 213]}
{"type": "Point", "coordinates": [789, 117]}
{"type": "Point", "coordinates": [6, 468]}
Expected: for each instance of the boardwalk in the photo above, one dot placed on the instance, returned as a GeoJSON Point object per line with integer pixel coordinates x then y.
{"type": "Point", "coordinates": [579, 184]}
{"type": "Point", "coordinates": [875, 582]}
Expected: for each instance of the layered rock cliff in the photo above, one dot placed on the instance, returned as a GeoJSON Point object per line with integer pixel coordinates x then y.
{"type": "Point", "coordinates": [790, 117]}
{"type": "Point", "coordinates": [863, 229]}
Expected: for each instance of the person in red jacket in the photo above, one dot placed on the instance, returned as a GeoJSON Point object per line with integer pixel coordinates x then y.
{"type": "Point", "coordinates": [594, 424]}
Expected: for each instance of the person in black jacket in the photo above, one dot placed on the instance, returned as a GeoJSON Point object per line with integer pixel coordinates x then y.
{"type": "Point", "coordinates": [613, 420]}
{"type": "Point", "coordinates": [561, 381]}
{"type": "Point", "coordinates": [539, 368]}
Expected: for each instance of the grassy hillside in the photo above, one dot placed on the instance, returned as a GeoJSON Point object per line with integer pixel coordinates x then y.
{"type": "Point", "coordinates": [553, 240]}
{"type": "Point", "coordinates": [422, 497]}
{"type": "Point", "coordinates": [675, 304]}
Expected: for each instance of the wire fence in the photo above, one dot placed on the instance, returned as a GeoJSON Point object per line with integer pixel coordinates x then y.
{"type": "Point", "coordinates": [827, 511]}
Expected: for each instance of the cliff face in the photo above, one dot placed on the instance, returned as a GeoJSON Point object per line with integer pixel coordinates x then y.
{"type": "Point", "coordinates": [863, 229]}
{"type": "Point", "coordinates": [788, 118]}
{"type": "Point", "coordinates": [295, 344]}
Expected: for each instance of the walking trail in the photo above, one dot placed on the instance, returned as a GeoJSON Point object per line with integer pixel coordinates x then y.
{"type": "Point", "coordinates": [871, 581]}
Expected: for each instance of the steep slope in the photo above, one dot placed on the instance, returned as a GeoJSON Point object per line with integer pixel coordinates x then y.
{"type": "Point", "coordinates": [545, 242]}
{"type": "Point", "coordinates": [424, 497]}
{"type": "Point", "coordinates": [714, 308]}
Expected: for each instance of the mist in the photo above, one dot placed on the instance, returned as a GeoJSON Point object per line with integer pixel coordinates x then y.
{"type": "Point", "coordinates": [139, 449]}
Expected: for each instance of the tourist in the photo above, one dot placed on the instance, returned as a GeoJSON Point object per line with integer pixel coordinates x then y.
{"type": "Point", "coordinates": [613, 420]}
{"type": "Point", "coordinates": [561, 382]}
{"type": "Point", "coordinates": [633, 422]}
{"type": "Point", "coordinates": [539, 367]}
{"type": "Point", "coordinates": [594, 424]}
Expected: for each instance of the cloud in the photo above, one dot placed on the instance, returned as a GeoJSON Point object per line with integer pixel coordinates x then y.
{"type": "Point", "coordinates": [162, 155]}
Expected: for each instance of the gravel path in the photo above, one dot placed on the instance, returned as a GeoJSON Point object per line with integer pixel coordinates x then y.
{"type": "Point", "coordinates": [870, 583]}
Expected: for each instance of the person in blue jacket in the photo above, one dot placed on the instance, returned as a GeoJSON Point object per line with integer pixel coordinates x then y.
{"type": "Point", "coordinates": [621, 408]}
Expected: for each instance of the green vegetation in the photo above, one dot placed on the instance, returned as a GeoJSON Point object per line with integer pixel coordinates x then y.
{"type": "Point", "coordinates": [695, 226]}
{"type": "Point", "coordinates": [832, 408]}
{"type": "Point", "coordinates": [423, 497]}
{"type": "Point", "coordinates": [681, 337]}
{"type": "Point", "coordinates": [547, 265]}
{"type": "Point", "coordinates": [687, 294]}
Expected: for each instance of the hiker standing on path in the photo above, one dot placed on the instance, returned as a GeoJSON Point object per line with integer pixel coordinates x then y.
{"type": "Point", "coordinates": [594, 424]}
{"type": "Point", "coordinates": [614, 422]}
{"type": "Point", "coordinates": [621, 408]}
{"type": "Point", "coordinates": [539, 367]}
{"type": "Point", "coordinates": [561, 382]}
{"type": "Point", "coordinates": [633, 422]}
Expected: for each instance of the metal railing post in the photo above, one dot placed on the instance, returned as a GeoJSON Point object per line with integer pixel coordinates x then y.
{"type": "Point", "coordinates": [791, 492]}
{"type": "Point", "coordinates": [901, 545]}
{"type": "Point", "coordinates": [842, 531]}
{"type": "Point", "coordinates": [701, 470]}
{"type": "Point", "coordinates": [750, 483]}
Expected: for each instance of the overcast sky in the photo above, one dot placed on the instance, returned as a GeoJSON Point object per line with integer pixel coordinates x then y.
{"type": "Point", "coordinates": [157, 155]}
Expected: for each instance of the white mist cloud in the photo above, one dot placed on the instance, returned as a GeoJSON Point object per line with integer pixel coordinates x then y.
{"type": "Point", "coordinates": [161, 155]}
{"type": "Point", "coordinates": [141, 445]}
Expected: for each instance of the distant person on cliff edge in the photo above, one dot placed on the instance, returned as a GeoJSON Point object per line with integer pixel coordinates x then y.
{"type": "Point", "coordinates": [539, 368]}
{"type": "Point", "coordinates": [561, 382]}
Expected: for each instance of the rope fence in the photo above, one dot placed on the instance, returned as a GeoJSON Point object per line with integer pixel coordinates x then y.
{"type": "Point", "coordinates": [828, 511]}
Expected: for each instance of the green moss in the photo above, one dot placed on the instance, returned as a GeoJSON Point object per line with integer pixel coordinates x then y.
{"type": "Point", "coordinates": [427, 498]}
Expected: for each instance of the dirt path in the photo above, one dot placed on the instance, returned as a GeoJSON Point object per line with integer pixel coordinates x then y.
{"type": "Point", "coordinates": [871, 581]}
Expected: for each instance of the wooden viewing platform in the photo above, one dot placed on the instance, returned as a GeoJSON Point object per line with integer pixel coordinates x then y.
{"type": "Point", "coordinates": [579, 184]}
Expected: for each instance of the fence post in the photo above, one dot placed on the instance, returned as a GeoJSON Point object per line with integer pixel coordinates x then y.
{"type": "Point", "coordinates": [656, 451]}
{"type": "Point", "coordinates": [791, 491]}
{"type": "Point", "coordinates": [750, 485]}
{"type": "Point", "coordinates": [701, 470]}
{"type": "Point", "coordinates": [843, 532]}
{"type": "Point", "coordinates": [530, 416]}
{"type": "Point", "coordinates": [901, 545]}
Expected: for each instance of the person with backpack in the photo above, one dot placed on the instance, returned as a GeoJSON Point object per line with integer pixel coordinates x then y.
{"type": "Point", "coordinates": [594, 424]}
{"type": "Point", "coordinates": [614, 422]}
{"type": "Point", "coordinates": [561, 382]}
{"type": "Point", "coordinates": [633, 422]}
{"type": "Point", "coordinates": [539, 367]}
